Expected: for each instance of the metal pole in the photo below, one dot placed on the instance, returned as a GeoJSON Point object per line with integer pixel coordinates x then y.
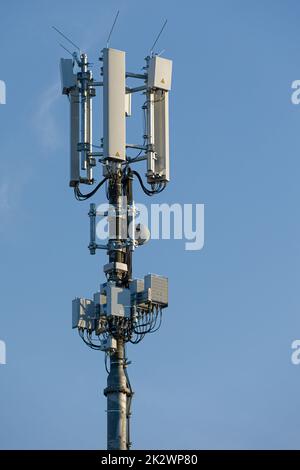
{"type": "Point", "coordinates": [117, 393]}
{"type": "Point", "coordinates": [118, 390]}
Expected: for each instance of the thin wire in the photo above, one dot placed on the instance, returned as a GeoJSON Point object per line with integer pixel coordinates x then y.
{"type": "Point", "coordinates": [158, 36]}
{"type": "Point", "coordinates": [112, 28]}
{"type": "Point", "coordinates": [65, 37]}
{"type": "Point", "coordinates": [66, 49]}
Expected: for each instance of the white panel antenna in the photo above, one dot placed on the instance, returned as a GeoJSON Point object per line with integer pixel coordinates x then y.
{"type": "Point", "coordinates": [74, 135]}
{"type": "Point", "coordinates": [114, 135]}
{"type": "Point", "coordinates": [158, 86]}
{"type": "Point", "coordinates": [159, 166]}
{"type": "Point", "coordinates": [79, 88]}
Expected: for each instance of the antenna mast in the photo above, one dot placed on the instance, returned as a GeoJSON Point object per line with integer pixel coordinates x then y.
{"type": "Point", "coordinates": [124, 309]}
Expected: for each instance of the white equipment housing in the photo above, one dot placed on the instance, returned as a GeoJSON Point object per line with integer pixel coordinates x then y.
{"type": "Point", "coordinates": [142, 234]}
{"type": "Point", "coordinates": [153, 289]}
{"type": "Point", "coordinates": [109, 344]}
{"type": "Point", "coordinates": [114, 133]}
{"type": "Point", "coordinates": [160, 73]}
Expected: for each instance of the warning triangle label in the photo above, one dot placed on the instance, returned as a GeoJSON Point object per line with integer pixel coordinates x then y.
{"type": "Point", "coordinates": [162, 80]}
{"type": "Point", "coordinates": [117, 154]}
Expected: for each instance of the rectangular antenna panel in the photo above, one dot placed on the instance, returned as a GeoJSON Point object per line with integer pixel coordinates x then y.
{"type": "Point", "coordinates": [159, 161]}
{"type": "Point", "coordinates": [74, 136]}
{"type": "Point", "coordinates": [67, 76]}
{"type": "Point", "coordinates": [114, 133]}
{"type": "Point", "coordinates": [160, 73]}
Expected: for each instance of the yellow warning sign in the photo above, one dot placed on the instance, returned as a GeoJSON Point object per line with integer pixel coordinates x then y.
{"type": "Point", "coordinates": [117, 154]}
{"type": "Point", "coordinates": [162, 80]}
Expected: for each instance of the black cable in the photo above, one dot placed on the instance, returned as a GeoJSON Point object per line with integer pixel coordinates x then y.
{"type": "Point", "coordinates": [88, 342]}
{"type": "Point", "coordinates": [83, 197]}
{"type": "Point", "coordinates": [159, 325]}
{"type": "Point", "coordinates": [105, 362]}
{"type": "Point", "coordinates": [133, 159]}
{"type": "Point", "coordinates": [146, 190]}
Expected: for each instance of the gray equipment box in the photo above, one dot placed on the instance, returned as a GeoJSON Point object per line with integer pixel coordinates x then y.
{"type": "Point", "coordinates": [83, 313]}
{"type": "Point", "coordinates": [136, 286]}
{"type": "Point", "coordinates": [67, 76]}
{"type": "Point", "coordinates": [118, 301]}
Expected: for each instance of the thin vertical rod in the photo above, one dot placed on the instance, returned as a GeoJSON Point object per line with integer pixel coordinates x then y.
{"type": "Point", "coordinates": [130, 224]}
{"type": "Point", "coordinates": [112, 28]}
{"type": "Point", "coordinates": [92, 215]}
{"type": "Point", "coordinates": [150, 131]}
{"type": "Point", "coordinates": [157, 37]}
{"type": "Point", "coordinates": [89, 132]}
{"type": "Point", "coordinates": [84, 110]}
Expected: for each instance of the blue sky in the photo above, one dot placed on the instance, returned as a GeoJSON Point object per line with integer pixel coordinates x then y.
{"type": "Point", "coordinates": [218, 374]}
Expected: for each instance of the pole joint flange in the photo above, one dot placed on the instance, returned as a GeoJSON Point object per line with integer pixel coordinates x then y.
{"type": "Point", "coordinates": [112, 389]}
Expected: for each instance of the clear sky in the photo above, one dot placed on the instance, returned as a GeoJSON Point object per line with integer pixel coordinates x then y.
{"type": "Point", "coordinates": [218, 374]}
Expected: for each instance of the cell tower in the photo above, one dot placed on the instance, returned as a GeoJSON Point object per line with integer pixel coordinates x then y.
{"type": "Point", "coordinates": [124, 309]}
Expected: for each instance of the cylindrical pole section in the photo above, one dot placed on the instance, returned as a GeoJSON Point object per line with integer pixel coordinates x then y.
{"type": "Point", "coordinates": [116, 393]}
{"type": "Point", "coordinates": [118, 390]}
